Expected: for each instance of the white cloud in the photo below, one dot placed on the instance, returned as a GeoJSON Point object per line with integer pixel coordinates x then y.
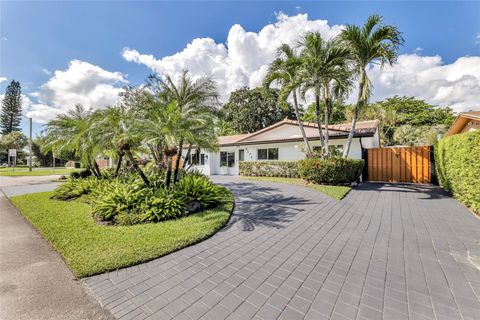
{"type": "Point", "coordinates": [46, 71]}
{"type": "Point", "coordinates": [3, 79]}
{"type": "Point", "coordinates": [243, 60]}
{"type": "Point", "coordinates": [455, 85]}
{"type": "Point", "coordinates": [82, 83]}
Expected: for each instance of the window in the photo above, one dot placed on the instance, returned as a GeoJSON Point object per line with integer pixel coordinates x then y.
{"type": "Point", "coordinates": [267, 154]}
{"type": "Point", "coordinates": [227, 159]}
{"type": "Point", "coordinates": [241, 155]}
{"type": "Point", "coordinates": [202, 159]}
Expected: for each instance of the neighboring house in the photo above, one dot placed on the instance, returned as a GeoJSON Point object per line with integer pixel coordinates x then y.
{"type": "Point", "coordinates": [281, 141]}
{"type": "Point", "coordinates": [465, 122]}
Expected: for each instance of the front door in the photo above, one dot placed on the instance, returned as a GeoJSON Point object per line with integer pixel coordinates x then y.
{"type": "Point", "coordinates": [227, 163]}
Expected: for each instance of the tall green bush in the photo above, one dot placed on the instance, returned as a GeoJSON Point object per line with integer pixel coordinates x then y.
{"type": "Point", "coordinates": [271, 168]}
{"type": "Point", "coordinates": [457, 160]}
{"type": "Point", "coordinates": [331, 171]}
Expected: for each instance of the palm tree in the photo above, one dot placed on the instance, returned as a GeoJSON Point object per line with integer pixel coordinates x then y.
{"type": "Point", "coordinates": [373, 43]}
{"type": "Point", "coordinates": [171, 125]}
{"type": "Point", "coordinates": [326, 71]}
{"type": "Point", "coordinates": [200, 95]}
{"type": "Point", "coordinates": [284, 70]}
{"type": "Point", "coordinates": [70, 133]}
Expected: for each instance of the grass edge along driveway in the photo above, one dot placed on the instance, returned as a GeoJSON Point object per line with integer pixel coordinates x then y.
{"type": "Point", "coordinates": [89, 248]}
{"type": "Point", "coordinates": [38, 172]}
{"type": "Point", "coordinates": [335, 192]}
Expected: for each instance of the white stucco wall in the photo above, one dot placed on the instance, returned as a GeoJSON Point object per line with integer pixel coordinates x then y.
{"type": "Point", "coordinates": [286, 151]}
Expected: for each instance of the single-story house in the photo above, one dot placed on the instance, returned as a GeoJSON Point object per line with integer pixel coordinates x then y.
{"type": "Point", "coordinates": [465, 122]}
{"type": "Point", "coordinates": [281, 141]}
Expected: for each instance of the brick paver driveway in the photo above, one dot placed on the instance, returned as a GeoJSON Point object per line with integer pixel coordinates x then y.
{"type": "Point", "coordinates": [391, 252]}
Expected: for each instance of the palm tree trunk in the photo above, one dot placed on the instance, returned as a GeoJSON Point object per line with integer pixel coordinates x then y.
{"type": "Point", "coordinates": [119, 164]}
{"type": "Point", "coordinates": [355, 116]}
{"type": "Point", "coordinates": [96, 169]}
{"type": "Point", "coordinates": [130, 157]}
{"type": "Point", "coordinates": [188, 155]}
{"type": "Point", "coordinates": [177, 161]}
{"type": "Point", "coordinates": [154, 154]}
{"type": "Point", "coordinates": [317, 109]}
{"type": "Point", "coordinates": [300, 124]}
{"type": "Point", "coordinates": [168, 176]}
{"type": "Point", "coordinates": [327, 105]}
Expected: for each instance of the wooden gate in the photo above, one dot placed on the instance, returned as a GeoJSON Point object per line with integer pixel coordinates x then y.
{"type": "Point", "coordinates": [399, 164]}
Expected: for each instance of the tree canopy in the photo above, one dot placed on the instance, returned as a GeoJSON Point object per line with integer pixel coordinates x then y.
{"type": "Point", "coordinates": [249, 110]}
{"type": "Point", "coordinates": [11, 113]}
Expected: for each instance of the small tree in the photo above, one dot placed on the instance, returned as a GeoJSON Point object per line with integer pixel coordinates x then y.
{"type": "Point", "coordinates": [11, 114]}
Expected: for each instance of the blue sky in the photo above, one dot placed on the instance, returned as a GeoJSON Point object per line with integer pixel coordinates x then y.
{"type": "Point", "coordinates": [38, 38]}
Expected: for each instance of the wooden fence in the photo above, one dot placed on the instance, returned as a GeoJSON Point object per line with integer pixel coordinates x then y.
{"type": "Point", "coordinates": [399, 164]}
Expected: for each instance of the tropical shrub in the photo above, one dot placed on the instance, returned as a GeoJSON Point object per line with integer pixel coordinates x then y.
{"type": "Point", "coordinates": [162, 204]}
{"type": "Point", "coordinates": [458, 167]}
{"type": "Point", "coordinates": [331, 171]}
{"type": "Point", "coordinates": [75, 188]}
{"type": "Point", "coordinates": [82, 174]}
{"type": "Point", "coordinates": [272, 168]}
{"type": "Point", "coordinates": [199, 189]}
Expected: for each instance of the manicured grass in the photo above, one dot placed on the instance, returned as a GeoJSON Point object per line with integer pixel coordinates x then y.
{"type": "Point", "coordinates": [335, 192]}
{"type": "Point", "coordinates": [35, 172]}
{"type": "Point", "coordinates": [89, 248]}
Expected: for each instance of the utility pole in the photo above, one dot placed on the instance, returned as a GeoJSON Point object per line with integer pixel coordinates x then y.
{"type": "Point", "coordinates": [30, 147]}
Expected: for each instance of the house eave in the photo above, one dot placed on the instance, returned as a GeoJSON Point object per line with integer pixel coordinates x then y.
{"type": "Point", "coordinates": [240, 143]}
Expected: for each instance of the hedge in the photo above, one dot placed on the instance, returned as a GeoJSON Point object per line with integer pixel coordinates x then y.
{"type": "Point", "coordinates": [331, 171]}
{"type": "Point", "coordinates": [457, 160]}
{"type": "Point", "coordinates": [271, 168]}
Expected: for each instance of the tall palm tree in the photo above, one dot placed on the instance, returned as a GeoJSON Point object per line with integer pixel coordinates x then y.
{"type": "Point", "coordinates": [312, 46]}
{"type": "Point", "coordinates": [284, 70]}
{"type": "Point", "coordinates": [200, 95]}
{"type": "Point", "coordinates": [70, 133]}
{"type": "Point", "coordinates": [326, 71]}
{"type": "Point", "coordinates": [374, 43]}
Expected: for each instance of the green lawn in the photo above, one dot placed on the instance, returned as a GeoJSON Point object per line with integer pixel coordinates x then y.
{"type": "Point", "coordinates": [335, 192]}
{"type": "Point", "coordinates": [35, 172]}
{"type": "Point", "coordinates": [89, 248]}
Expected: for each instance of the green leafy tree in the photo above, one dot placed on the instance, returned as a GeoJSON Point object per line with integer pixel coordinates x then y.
{"type": "Point", "coordinates": [249, 110]}
{"type": "Point", "coordinates": [285, 71]}
{"type": "Point", "coordinates": [336, 114]}
{"type": "Point", "coordinates": [373, 43]}
{"type": "Point", "coordinates": [408, 135]}
{"type": "Point", "coordinates": [11, 114]}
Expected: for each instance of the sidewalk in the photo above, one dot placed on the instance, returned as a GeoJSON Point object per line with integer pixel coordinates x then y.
{"type": "Point", "coordinates": [35, 283]}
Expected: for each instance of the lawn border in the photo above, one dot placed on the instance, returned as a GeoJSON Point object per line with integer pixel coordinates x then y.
{"type": "Point", "coordinates": [77, 277]}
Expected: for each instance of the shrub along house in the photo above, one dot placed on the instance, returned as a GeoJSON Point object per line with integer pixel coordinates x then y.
{"type": "Point", "coordinates": [281, 141]}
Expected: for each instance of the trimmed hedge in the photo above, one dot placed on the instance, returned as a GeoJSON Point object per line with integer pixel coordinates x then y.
{"type": "Point", "coordinates": [457, 160]}
{"type": "Point", "coordinates": [271, 168]}
{"type": "Point", "coordinates": [331, 171]}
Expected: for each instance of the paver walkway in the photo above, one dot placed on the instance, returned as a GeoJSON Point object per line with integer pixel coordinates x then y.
{"type": "Point", "coordinates": [289, 252]}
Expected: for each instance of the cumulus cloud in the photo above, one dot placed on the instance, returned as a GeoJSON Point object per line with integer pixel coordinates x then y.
{"type": "Point", "coordinates": [243, 60]}
{"type": "Point", "coordinates": [81, 83]}
{"type": "Point", "coordinates": [455, 85]}
{"type": "Point", "coordinates": [3, 79]}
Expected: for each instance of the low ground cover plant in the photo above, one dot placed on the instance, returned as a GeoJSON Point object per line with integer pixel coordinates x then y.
{"type": "Point", "coordinates": [125, 200]}
{"type": "Point", "coordinates": [458, 167]}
